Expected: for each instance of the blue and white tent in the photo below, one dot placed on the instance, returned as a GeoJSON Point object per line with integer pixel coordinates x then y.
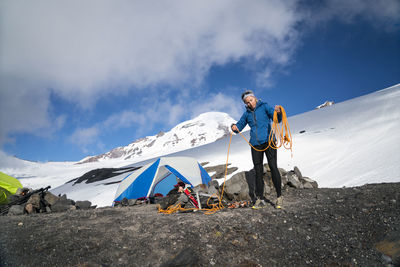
{"type": "Point", "coordinates": [160, 176]}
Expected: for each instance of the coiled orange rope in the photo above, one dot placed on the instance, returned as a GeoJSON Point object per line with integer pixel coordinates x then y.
{"type": "Point", "coordinates": [281, 133]}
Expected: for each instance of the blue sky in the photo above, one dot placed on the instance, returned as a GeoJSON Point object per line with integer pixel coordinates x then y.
{"type": "Point", "coordinates": [121, 71]}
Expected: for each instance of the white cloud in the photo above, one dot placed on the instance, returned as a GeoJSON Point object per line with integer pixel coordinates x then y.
{"type": "Point", "coordinates": [219, 102]}
{"type": "Point", "coordinates": [85, 136]}
{"type": "Point", "coordinates": [123, 119]}
{"type": "Point", "coordinates": [22, 111]}
{"type": "Point", "coordinates": [84, 50]}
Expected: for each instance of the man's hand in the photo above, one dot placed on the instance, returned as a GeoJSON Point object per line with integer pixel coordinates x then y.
{"type": "Point", "coordinates": [278, 109]}
{"type": "Point", "coordinates": [234, 128]}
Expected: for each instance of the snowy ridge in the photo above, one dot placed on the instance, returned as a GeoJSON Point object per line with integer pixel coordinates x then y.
{"type": "Point", "coordinates": [206, 128]}
{"type": "Point", "coordinates": [325, 104]}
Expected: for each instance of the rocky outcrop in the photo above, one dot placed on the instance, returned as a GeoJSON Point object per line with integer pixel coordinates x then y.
{"type": "Point", "coordinates": [241, 185]}
{"type": "Point", "coordinates": [43, 202]}
{"type": "Point", "coordinates": [326, 104]}
{"type": "Point", "coordinates": [101, 174]}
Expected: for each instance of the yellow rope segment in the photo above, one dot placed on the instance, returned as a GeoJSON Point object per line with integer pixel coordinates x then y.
{"type": "Point", "coordinates": [282, 134]}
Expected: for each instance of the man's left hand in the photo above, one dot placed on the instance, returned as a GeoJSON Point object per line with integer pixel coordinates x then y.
{"type": "Point", "coordinates": [278, 109]}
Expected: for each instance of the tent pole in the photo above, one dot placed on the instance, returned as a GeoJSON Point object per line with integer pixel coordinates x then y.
{"type": "Point", "coordinates": [198, 200]}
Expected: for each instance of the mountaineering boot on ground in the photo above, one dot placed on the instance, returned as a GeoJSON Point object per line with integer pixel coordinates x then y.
{"type": "Point", "coordinates": [279, 202]}
{"type": "Point", "coordinates": [260, 203]}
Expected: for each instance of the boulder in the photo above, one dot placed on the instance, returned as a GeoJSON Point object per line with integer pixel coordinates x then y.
{"type": "Point", "coordinates": [16, 210]}
{"type": "Point", "coordinates": [124, 202]}
{"type": "Point", "coordinates": [131, 202]}
{"type": "Point", "coordinates": [305, 180]}
{"type": "Point", "coordinates": [29, 208]}
{"type": "Point", "coordinates": [50, 198]}
{"type": "Point", "coordinates": [34, 200]}
{"type": "Point", "coordinates": [65, 200]}
{"type": "Point", "coordinates": [242, 185]}
{"type": "Point", "coordinates": [220, 170]}
{"type": "Point", "coordinates": [237, 188]}
{"type": "Point", "coordinates": [63, 204]}
{"type": "Point", "coordinates": [297, 172]}
{"type": "Point", "coordinates": [284, 180]}
{"type": "Point", "coordinates": [307, 185]}
{"type": "Point", "coordinates": [282, 171]}
{"type": "Point", "coordinates": [293, 180]}
{"type": "Point", "coordinates": [84, 205]}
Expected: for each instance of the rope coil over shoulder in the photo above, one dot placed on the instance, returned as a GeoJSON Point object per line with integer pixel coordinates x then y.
{"type": "Point", "coordinates": [284, 138]}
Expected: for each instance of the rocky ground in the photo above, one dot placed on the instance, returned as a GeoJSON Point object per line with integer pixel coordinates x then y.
{"type": "Point", "coordinates": [319, 227]}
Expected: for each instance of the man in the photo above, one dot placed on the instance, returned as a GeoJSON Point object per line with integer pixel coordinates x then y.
{"type": "Point", "coordinates": [177, 196]}
{"type": "Point", "coordinates": [258, 116]}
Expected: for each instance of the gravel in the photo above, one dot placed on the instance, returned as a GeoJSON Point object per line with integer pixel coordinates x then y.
{"type": "Point", "coordinates": [318, 227]}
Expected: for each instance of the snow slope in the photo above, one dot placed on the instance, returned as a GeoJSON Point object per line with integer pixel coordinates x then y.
{"type": "Point", "coordinates": [347, 144]}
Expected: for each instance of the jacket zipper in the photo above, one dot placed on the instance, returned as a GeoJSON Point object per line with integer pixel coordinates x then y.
{"type": "Point", "coordinates": [255, 121]}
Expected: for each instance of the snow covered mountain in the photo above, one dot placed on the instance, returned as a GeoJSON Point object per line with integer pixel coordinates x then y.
{"type": "Point", "coordinates": [206, 128]}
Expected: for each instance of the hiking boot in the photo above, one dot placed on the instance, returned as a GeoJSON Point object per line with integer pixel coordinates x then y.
{"type": "Point", "coordinates": [260, 203]}
{"type": "Point", "coordinates": [279, 202]}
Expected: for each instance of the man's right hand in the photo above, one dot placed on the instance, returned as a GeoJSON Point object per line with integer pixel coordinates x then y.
{"type": "Point", "coordinates": [234, 128]}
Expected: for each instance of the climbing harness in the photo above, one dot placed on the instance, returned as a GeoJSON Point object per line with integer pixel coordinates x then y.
{"type": "Point", "coordinates": [280, 133]}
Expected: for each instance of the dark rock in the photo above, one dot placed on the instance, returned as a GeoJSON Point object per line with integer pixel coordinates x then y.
{"type": "Point", "coordinates": [131, 202]}
{"type": "Point", "coordinates": [102, 174]}
{"type": "Point", "coordinates": [16, 210]}
{"type": "Point", "coordinates": [297, 172]}
{"type": "Point", "coordinates": [282, 171]}
{"type": "Point", "coordinates": [242, 186]}
{"type": "Point", "coordinates": [30, 209]}
{"type": "Point", "coordinates": [186, 257]}
{"type": "Point", "coordinates": [220, 170]}
{"type": "Point", "coordinates": [83, 205]}
{"type": "Point", "coordinates": [293, 180]}
{"type": "Point", "coordinates": [307, 185]}
{"type": "Point", "coordinates": [284, 180]}
{"type": "Point", "coordinates": [237, 188]}
{"type": "Point", "coordinates": [63, 199]}
{"type": "Point", "coordinates": [305, 180]}
{"type": "Point", "coordinates": [51, 198]}
{"type": "Point", "coordinates": [167, 201]}
{"type": "Point", "coordinates": [34, 200]}
{"type": "Point", "coordinates": [61, 206]}
{"type": "Point", "coordinates": [124, 202]}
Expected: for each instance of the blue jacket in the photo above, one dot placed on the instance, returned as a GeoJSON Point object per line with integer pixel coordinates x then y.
{"type": "Point", "coordinates": [259, 122]}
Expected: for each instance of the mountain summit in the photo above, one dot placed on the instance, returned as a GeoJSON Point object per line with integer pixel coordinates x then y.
{"type": "Point", "coordinates": [205, 128]}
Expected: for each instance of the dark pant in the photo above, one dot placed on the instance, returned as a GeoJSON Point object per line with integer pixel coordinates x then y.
{"type": "Point", "coordinates": [258, 158]}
